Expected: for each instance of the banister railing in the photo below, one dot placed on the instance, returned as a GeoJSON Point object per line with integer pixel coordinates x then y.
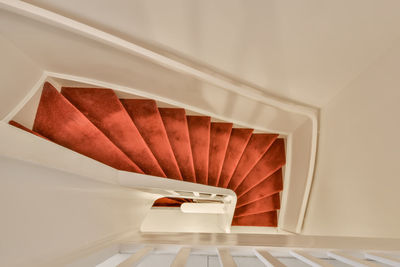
{"type": "Point", "coordinates": [221, 201]}
{"type": "Point", "coordinates": [240, 256]}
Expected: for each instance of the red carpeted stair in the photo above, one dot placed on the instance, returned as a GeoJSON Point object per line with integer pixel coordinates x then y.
{"type": "Point", "coordinates": [59, 121]}
{"type": "Point", "coordinates": [175, 124]}
{"type": "Point", "coordinates": [255, 149]}
{"type": "Point", "coordinates": [237, 144]}
{"type": "Point", "coordinates": [219, 138]}
{"type": "Point", "coordinates": [103, 108]}
{"type": "Point", "coordinates": [145, 115]}
{"type": "Point", "coordinates": [135, 135]}
{"type": "Point", "coordinates": [199, 132]}
{"type": "Point", "coordinates": [273, 184]}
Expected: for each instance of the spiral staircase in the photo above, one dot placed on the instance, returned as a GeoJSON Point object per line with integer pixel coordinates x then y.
{"type": "Point", "coordinates": [135, 135]}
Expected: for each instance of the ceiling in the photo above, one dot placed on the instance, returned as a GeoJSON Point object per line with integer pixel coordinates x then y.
{"type": "Point", "coordinates": [306, 50]}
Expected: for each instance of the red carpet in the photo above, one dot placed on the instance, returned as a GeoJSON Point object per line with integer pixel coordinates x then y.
{"type": "Point", "coordinates": [272, 160]}
{"type": "Point", "coordinates": [103, 108]}
{"type": "Point", "coordinates": [175, 124]}
{"type": "Point", "coordinates": [199, 132]}
{"type": "Point", "coordinates": [58, 120]}
{"type": "Point", "coordinates": [135, 135]}
{"type": "Point", "coordinates": [269, 186]}
{"type": "Point", "coordinates": [269, 218]}
{"type": "Point", "coordinates": [219, 138]}
{"type": "Point", "coordinates": [237, 144]}
{"type": "Point", "coordinates": [265, 204]}
{"type": "Point", "coordinates": [144, 113]}
{"type": "Point", "coordinates": [255, 149]}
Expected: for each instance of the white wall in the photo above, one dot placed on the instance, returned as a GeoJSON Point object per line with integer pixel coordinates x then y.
{"type": "Point", "coordinates": [18, 74]}
{"type": "Point", "coordinates": [305, 50]}
{"type": "Point", "coordinates": [48, 214]}
{"type": "Point", "coordinates": [357, 181]}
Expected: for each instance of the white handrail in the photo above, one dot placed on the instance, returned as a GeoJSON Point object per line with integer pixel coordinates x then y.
{"type": "Point", "coordinates": [31, 148]}
{"type": "Point", "coordinates": [340, 256]}
{"type": "Point", "coordinates": [385, 259]}
{"type": "Point", "coordinates": [181, 189]}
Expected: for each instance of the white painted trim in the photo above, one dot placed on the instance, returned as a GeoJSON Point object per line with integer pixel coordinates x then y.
{"type": "Point", "coordinates": [214, 78]}
{"type": "Point", "coordinates": [350, 260]}
{"type": "Point", "coordinates": [169, 188]}
{"type": "Point", "coordinates": [310, 175]}
{"type": "Point", "coordinates": [382, 258]}
{"type": "Point", "coordinates": [214, 208]}
{"type": "Point", "coordinates": [134, 91]}
{"type": "Point", "coordinates": [286, 182]}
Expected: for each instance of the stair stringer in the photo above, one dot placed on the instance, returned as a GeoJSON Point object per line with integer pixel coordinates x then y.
{"type": "Point", "coordinates": [298, 124]}
{"type": "Point", "coordinates": [21, 145]}
{"type": "Point", "coordinates": [285, 218]}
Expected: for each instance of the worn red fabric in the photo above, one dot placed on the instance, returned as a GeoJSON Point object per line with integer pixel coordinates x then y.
{"type": "Point", "coordinates": [58, 120]}
{"type": "Point", "coordinates": [269, 186]}
{"type": "Point", "coordinates": [175, 124]}
{"type": "Point", "coordinates": [236, 146]}
{"type": "Point", "coordinates": [272, 160]}
{"type": "Point", "coordinates": [262, 205]}
{"type": "Point", "coordinates": [255, 149]}
{"type": "Point", "coordinates": [145, 115]}
{"type": "Point", "coordinates": [103, 108]}
{"type": "Point", "coordinates": [199, 132]}
{"type": "Point", "coordinates": [266, 219]}
{"type": "Point", "coordinates": [219, 138]}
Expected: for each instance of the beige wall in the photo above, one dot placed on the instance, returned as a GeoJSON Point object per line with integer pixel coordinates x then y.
{"type": "Point", "coordinates": [304, 50]}
{"type": "Point", "coordinates": [18, 74]}
{"type": "Point", "coordinates": [48, 214]}
{"type": "Point", "coordinates": [357, 180]}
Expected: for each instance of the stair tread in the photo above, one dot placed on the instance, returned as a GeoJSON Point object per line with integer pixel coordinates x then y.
{"type": "Point", "coordinates": [58, 120]}
{"type": "Point", "coordinates": [236, 146]}
{"type": "Point", "coordinates": [266, 219]}
{"type": "Point", "coordinates": [199, 132]}
{"type": "Point", "coordinates": [272, 160]}
{"type": "Point", "coordinates": [255, 149]}
{"type": "Point", "coordinates": [145, 115]}
{"type": "Point", "coordinates": [220, 133]}
{"type": "Point", "coordinates": [103, 108]}
{"type": "Point", "coordinates": [175, 124]}
{"type": "Point", "coordinates": [262, 205]}
{"type": "Point", "coordinates": [269, 186]}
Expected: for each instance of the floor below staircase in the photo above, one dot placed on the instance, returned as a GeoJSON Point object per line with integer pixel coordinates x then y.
{"type": "Point", "coordinates": [136, 135]}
